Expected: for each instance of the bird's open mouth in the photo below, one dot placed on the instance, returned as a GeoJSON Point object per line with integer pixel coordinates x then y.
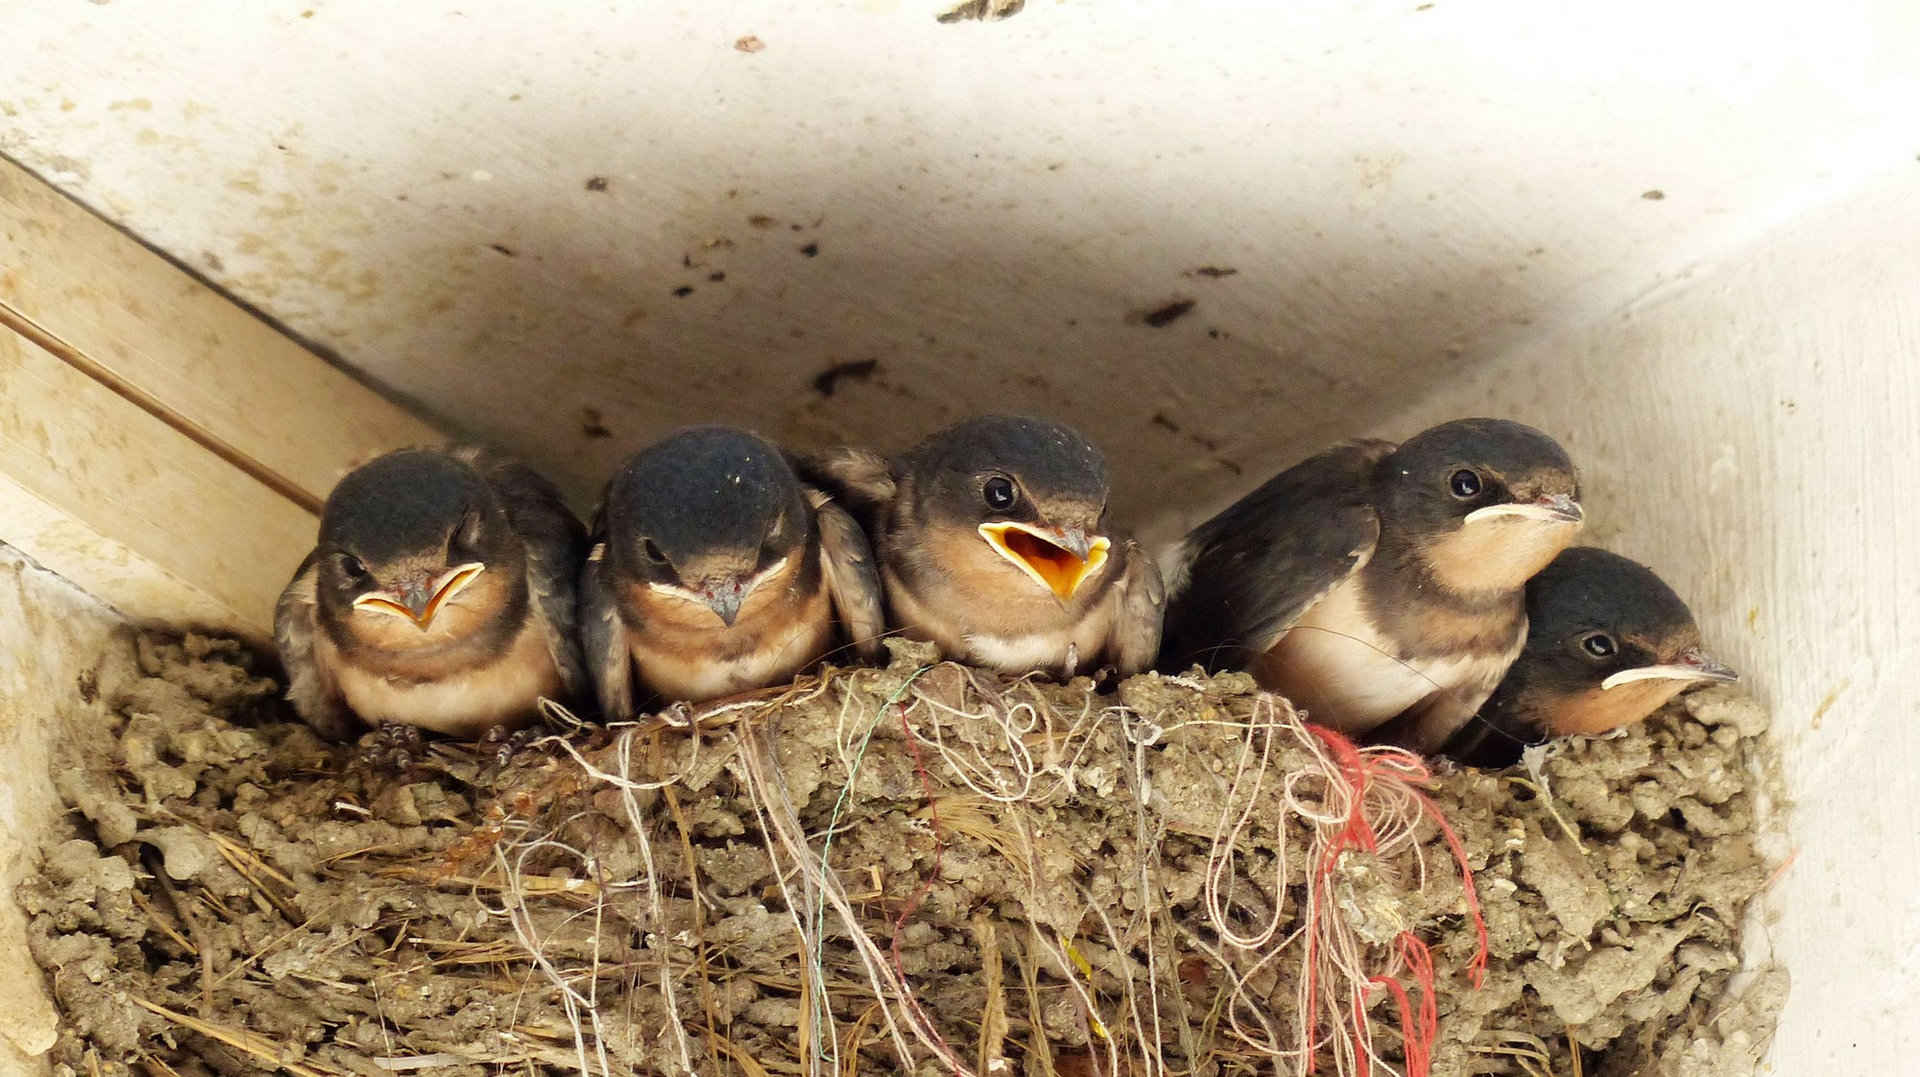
{"type": "Point", "coordinates": [1059, 559]}
{"type": "Point", "coordinates": [422, 604]}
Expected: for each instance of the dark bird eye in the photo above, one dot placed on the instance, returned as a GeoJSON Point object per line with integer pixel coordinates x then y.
{"type": "Point", "coordinates": [1465, 483]}
{"type": "Point", "coordinates": [653, 552]}
{"type": "Point", "coordinates": [351, 567]}
{"type": "Point", "coordinates": [1599, 645]}
{"type": "Point", "coordinates": [999, 494]}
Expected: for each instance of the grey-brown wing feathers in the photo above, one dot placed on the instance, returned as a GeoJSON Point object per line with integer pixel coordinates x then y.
{"type": "Point", "coordinates": [603, 639]}
{"type": "Point", "coordinates": [1251, 572]}
{"type": "Point", "coordinates": [1140, 613]}
{"type": "Point", "coordinates": [555, 543]}
{"type": "Point", "coordinates": [859, 479]}
{"type": "Point", "coordinates": [311, 687]}
{"type": "Point", "coordinates": [852, 578]}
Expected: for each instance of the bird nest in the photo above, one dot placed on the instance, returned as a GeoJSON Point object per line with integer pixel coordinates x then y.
{"type": "Point", "coordinates": [922, 868]}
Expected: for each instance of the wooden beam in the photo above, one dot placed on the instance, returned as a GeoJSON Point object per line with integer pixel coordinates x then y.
{"type": "Point", "coordinates": [160, 445]}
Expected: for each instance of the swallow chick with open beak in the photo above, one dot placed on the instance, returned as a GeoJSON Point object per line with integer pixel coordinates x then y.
{"type": "Point", "coordinates": [714, 570]}
{"type": "Point", "coordinates": [993, 543]}
{"type": "Point", "coordinates": [1379, 587]}
{"type": "Point", "coordinates": [1607, 644]}
{"type": "Point", "coordinates": [440, 594]}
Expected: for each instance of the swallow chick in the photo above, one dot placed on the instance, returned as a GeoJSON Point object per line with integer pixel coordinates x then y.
{"type": "Point", "coordinates": [993, 544]}
{"type": "Point", "coordinates": [714, 570]}
{"type": "Point", "coordinates": [1379, 587]}
{"type": "Point", "coordinates": [439, 594]}
{"type": "Point", "coordinates": [1607, 644]}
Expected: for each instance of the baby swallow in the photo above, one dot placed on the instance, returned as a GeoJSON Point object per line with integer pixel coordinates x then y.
{"type": "Point", "coordinates": [993, 544]}
{"type": "Point", "coordinates": [1381, 588]}
{"type": "Point", "coordinates": [714, 571]}
{"type": "Point", "coordinates": [440, 594]}
{"type": "Point", "coordinates": [1607, 644]}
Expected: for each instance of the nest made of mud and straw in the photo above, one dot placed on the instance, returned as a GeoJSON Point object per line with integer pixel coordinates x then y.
{"type": "Point", "coordinates": [922, 868]}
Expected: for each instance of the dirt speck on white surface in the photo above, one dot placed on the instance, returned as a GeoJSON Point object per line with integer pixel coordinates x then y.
{"type": "Point", "coordinates": [925, 867]}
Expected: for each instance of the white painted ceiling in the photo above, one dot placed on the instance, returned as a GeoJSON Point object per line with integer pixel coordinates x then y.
{"type": "Point", "coordinates": [491, 209]}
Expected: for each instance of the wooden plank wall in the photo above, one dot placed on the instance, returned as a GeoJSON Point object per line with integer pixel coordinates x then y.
{"type": "Point", "coordinates": [160, 446]}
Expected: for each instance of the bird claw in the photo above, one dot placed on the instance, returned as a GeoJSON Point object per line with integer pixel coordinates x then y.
{"type": "Point", "coordinates": [393, 749]}
{"type": "Point", "coordinates": [507, 743]}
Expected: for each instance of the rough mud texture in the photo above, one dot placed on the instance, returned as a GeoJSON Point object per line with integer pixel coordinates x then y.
{"type": "Point", "coordinates": [1041, 879]}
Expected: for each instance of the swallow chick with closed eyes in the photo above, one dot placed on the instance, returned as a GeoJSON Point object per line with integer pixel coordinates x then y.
{"type": "Point", "coordinates": [714, 570]}
{"type": "Point", "coordinates": [439, 594]}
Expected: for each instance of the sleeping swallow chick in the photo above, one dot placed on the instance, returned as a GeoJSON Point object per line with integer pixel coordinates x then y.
{"type": "Point", "coordinates": [1379, 587]}
{"type": "Point", "coordinates": [1608, 642]}
{"type": "Point", "coordinates": [993, 543]}
{"type": "Point", "coordinates": [714, 571]}
{"type": "Point", "coordinates": [439, 594]}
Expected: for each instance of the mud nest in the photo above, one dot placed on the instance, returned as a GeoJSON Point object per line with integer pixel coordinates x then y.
{"type": "Point", "coordinates": [921, 868]}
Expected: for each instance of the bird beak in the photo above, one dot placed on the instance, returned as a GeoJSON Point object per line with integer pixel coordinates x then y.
{"type": "Point", "coordinates": [422, 602]}
{"type": "Point", "coordinates": [724, 592]}
{"type": "Point", "coordinates": [724, 596]}
{"type": "Point", "coordinates": [1693, 665]}
{"type": "Point", "coordinates": [1057, 558]}
{"type": "Point", "coordinates": [1550, 508]}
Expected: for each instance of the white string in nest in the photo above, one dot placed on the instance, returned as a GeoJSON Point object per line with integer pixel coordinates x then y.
{"type": "Point", "coordinates": [1349, 801]}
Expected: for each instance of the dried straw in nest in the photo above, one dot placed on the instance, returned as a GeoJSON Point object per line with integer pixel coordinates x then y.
{"type": "Point", "coordinates": [922, 868]}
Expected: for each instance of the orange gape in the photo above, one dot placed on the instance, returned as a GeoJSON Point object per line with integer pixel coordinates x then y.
{"type": "Point", "coordinates": [1061, 569]}
{"type": "Point", "coordinates": [453, 583]}
{"type": "Point", "coordinates": [1054, 566]}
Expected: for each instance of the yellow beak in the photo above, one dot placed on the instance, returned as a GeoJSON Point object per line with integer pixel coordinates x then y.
{"type": "Point", "coordinates": [1058, 559]}
{"type": "Point", "coordinates": [421, 604]}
